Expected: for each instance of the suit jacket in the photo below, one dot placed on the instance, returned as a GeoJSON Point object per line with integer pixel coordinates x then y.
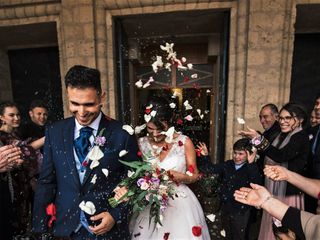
{"type": "Point", "coordinates": [231, 180]}
{"type": "Point", "coordinates": [272, 132]}
{"type": "Point", "coordinates": [314, 159]}
{"type": "Point", "coordinates": [59, 180]}
{"type": "Point", "coordinates": [295, 153]}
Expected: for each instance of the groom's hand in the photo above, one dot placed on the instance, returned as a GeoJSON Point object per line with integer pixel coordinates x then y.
{"type": "Point", "coordinates": [107, 222]}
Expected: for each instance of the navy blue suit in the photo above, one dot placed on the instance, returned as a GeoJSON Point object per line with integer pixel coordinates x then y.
{"type": "Point", "coordinates": [59, 180]}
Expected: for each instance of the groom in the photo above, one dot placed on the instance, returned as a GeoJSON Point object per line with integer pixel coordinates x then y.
{"type": "Point", "coordinates": [68, 177]}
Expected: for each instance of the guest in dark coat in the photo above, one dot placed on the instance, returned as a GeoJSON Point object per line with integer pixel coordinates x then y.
{"type": "Point", "coordinates": [234, 173]}
{"type": "Point", "coordinates": [289, 149]}
{"type": "Point", "coordinates": [269, 120]}
{"type": "Point", "coordinates": [35, 128]}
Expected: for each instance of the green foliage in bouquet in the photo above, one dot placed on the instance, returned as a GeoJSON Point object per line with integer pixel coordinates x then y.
{"type": "Point", "coordinates": [147, 185]}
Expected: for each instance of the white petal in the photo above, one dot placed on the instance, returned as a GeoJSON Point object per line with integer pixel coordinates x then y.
{"type": "Point", "coordinates": [95, 153]}
{"type": "Point", "coordinates": [153, 113]}
{"type": "Point", "coordinates": [223, 233]}
{"type": "Point", "coordinates": [87, 207]}
{"type": "Point", "coordinates": [154, 67]}
{"type": "Point", "coordinates": [128, 128]}
{"type": "Point", "coordinates": [208, 91]}
{"type": "Point", "coordinates": [139, 84]}
{"type": "Point", "coordinates": [189, 118]}
{"type": "Point", "coordinates": [183, 59]}
{"type": "Point", "coordinates": [172, 105]}
{"type": "Point", "coordinates": [94, 164]}
{"type": "Point", "coordinates": [105, 171]}
{"type": "Point", "coordinates": [193, 76]}
{"type": "Point", "coordinates": [241, 120]}
{"type": "Point", "coordinates": [201, 116]}
{"type": "Point", "coordinates": [189, 173]}
{"type": "Point", "coordinates": [199, 111]}
{"type": "Point", "coordinates": [151, 79]}
{"type": "Point", "coordinates": [182, 67]}
{"type": "Point", "coordinates": [149, 107]}
{"type": "Point", "coordinates": [122, 153]}
{"type": "Point", "coordinates": [138, 129]}
{"type": "Point", "coordinates": [147, 117]}
{"type": "Point", "coordinates": [187, 105]}
{"type": "Point", "coordinates": [211, 217]}
{"type": "Point", "coordinates": [168, 66]}
{"type": "Point", "coordinates": [190, 66]}
{"type": "Point", "coordinates": [94, 179]}
{"type": "Point", "coordinates": [147, 84]}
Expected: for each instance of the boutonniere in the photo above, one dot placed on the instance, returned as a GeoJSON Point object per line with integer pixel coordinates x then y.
{"type": "Point", "coordinates": [95, 153]}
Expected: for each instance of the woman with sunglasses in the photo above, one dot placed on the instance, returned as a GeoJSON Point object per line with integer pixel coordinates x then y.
{"type": "Point", "coordinates": [290, 149]}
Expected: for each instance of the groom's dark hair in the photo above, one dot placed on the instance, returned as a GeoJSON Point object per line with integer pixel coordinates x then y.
{"type": "Point", "coordinates": [82, 77]}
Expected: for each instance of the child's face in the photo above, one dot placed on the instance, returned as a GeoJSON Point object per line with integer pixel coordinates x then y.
{"type": "Point", "coordinates": [239, 156]}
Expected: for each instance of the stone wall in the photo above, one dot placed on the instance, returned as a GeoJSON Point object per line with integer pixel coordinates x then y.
{"type": "Point", "coordinates": [260, 52]}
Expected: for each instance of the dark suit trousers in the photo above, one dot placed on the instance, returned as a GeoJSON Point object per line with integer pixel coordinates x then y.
{"type": "Point", "coordinates": [236, 225]}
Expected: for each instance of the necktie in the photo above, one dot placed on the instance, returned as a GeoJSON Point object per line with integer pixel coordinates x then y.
{"type": "Point", "coordinates": [82, 143]}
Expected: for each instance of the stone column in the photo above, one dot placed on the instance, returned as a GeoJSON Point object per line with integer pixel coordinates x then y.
{"type": "Point", "coordinates": [77, 37]}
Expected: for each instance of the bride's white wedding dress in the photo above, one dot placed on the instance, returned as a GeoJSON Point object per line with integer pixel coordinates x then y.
{"type": "Point", "coordinates": [183, 213]}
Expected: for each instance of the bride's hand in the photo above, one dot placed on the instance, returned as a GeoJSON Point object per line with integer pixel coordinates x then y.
{"type": "Point", "coordinates": [182, 177]}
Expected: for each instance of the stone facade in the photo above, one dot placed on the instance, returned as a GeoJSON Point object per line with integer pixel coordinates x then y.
{"type": "Point", "coordinates": [260, 51]}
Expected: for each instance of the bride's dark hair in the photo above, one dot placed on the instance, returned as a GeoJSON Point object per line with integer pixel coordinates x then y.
{"type": "Point", "coordinates": [164, 112]}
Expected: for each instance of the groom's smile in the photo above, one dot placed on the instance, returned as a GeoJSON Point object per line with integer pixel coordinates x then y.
{"type": "Point", "coordinates": [85, 104]}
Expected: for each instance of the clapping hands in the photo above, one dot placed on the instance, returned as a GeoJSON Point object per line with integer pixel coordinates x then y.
{"type": "Point", "coordinates": [10, 157]}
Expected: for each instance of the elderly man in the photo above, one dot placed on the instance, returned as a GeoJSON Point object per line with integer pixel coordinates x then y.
{"type": "Point", "coordinates": [269, 120]}
{"type": "Point", "coordinates": [9, 158]}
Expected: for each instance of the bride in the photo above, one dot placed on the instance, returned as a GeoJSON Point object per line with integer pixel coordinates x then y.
{"type": "Point", "coordinates": [184, 218]}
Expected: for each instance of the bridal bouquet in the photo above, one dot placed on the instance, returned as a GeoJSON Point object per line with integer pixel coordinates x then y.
{"type": "Point", "coordinates": [147, 185]}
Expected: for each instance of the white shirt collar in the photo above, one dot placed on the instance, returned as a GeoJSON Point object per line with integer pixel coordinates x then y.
{"type": "Point", "coordinates": [94, 125]}
{"type": "Point", "coordinates": [238, 166]}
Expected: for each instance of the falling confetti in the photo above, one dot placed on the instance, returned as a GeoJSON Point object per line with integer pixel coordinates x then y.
{"type": "Point", "coordinates": [122, 153]}
{"type": "Point", "coordinates": [94, 179]}
{"type": "Point", "coordinates": [241, 120]}
{"type": "Point", "coordinates": [223, 233]}
{"type": "Point", "coordinates": [187, 105]}
{"type": "Point", "coordinates": [128, 128]}
{"type": "Point", "coordinates": [189, 118]}
{"type": "Point", "coordinates": [88, 207]}
{"type": "Point", "coordinates": [105, 171]}
{"type": "Point", "coordinates": [172, 105]}
{"type": "Point", "coordinates": [211, 217]}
